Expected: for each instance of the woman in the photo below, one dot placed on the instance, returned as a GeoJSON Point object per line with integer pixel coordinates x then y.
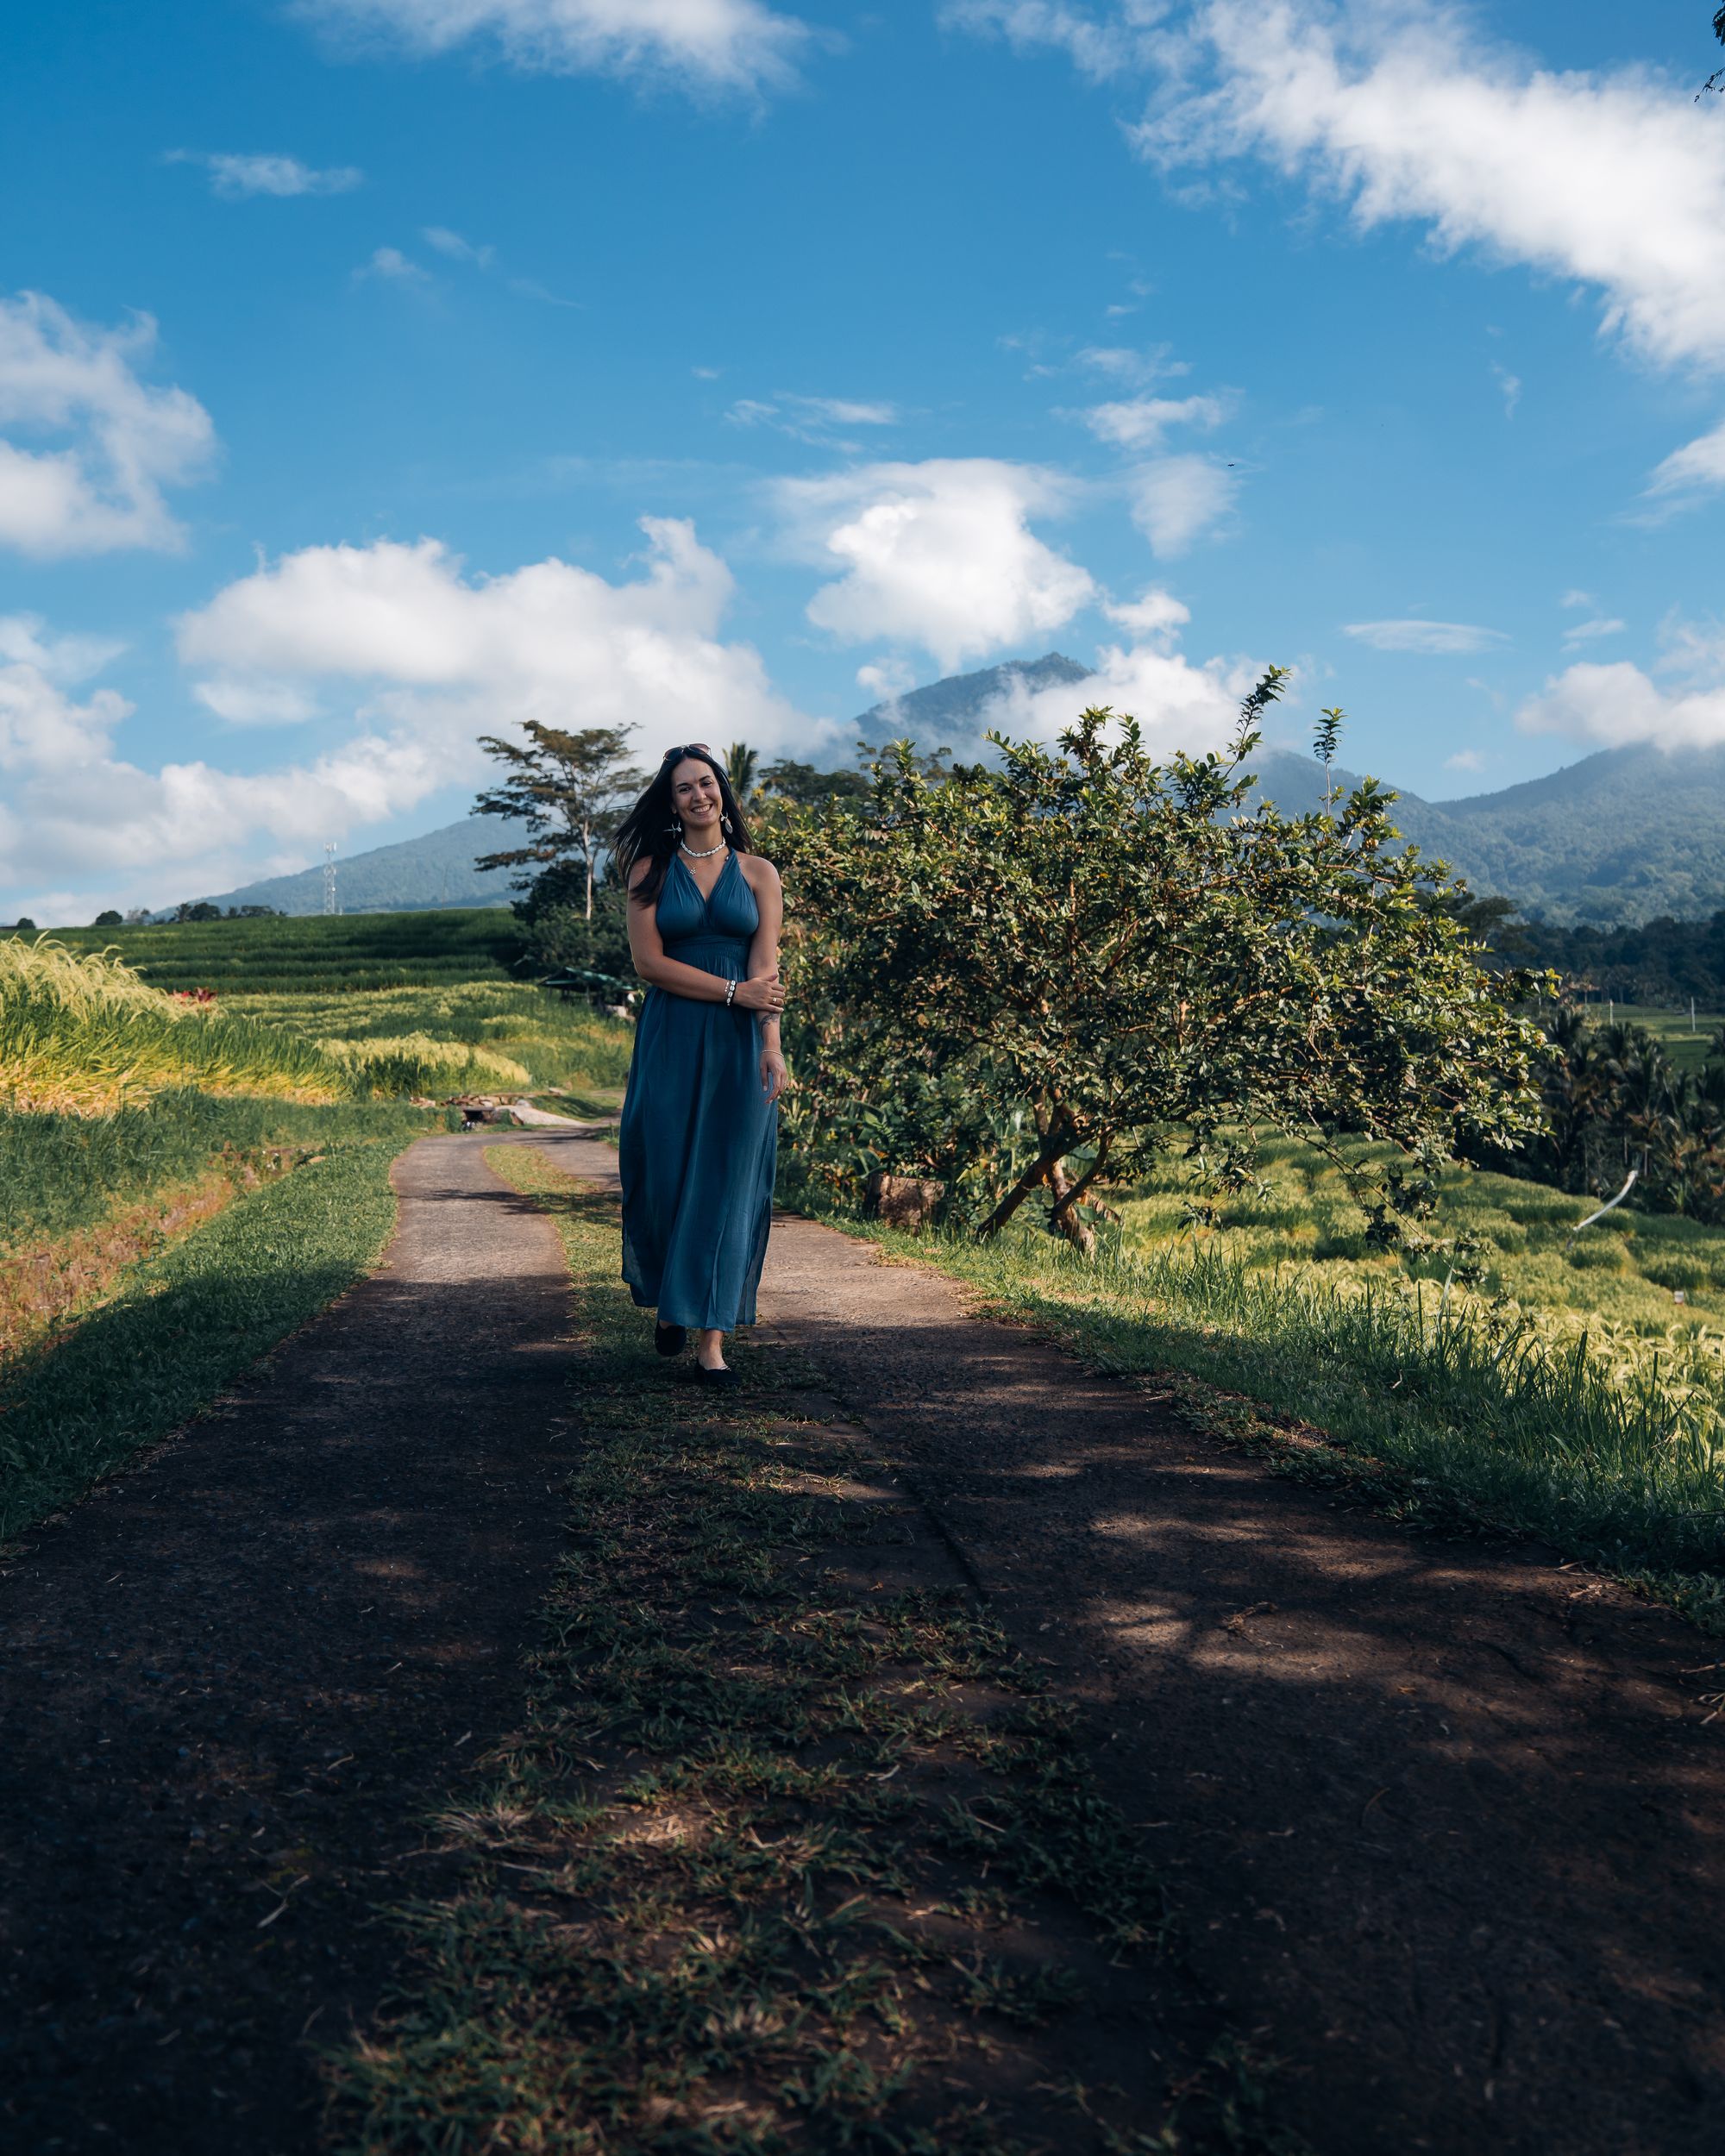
{"type": "Point", "coordinates": [698, 1144]}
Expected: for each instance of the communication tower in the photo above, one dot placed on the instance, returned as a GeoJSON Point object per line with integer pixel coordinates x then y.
{"type": "Point", "coordinates": [330, 905]}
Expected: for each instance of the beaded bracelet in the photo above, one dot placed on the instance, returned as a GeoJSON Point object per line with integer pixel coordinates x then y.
{"type": "Point", "coordinates": [730, 994]}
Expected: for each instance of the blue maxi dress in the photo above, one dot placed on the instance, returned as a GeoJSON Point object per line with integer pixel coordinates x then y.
{"type": "Point", "coordinates": [698, 1146]}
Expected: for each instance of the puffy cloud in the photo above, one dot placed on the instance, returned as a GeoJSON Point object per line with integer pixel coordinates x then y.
{"type": "Point", "coordinates": [447, 656]}
{"type": "Point", "coordinates": [1611, 705]}
{"type": "Point", "coordinates": [729, 45]}
{"type": "Point", "coordinates": [268, 172]}
{"type": "Point", "coordinates": [1615, 180]}
{"type": "Point", "coordinates": [1140, 422]}
{"type": "Point", "coordinates": [1436, 639]}
{"type": "Point", "coordinates": [938, 553]}
{"type": "Point", "coordinates": [122, 442]}
{"type": "Point", "coordinates": [1176, 500]}
{"type": "Point", "coordinates": [1177, 705]}
{"type": "Point", "coordinates": [1465, 759]}
{"type": "Point", "coordinates": [1157, 614]}
{"type": "Point", "coordinates": [431, 658]}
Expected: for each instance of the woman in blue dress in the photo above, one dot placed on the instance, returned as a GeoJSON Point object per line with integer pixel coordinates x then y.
{"type": "Point", "coordinates": [699, 1142]}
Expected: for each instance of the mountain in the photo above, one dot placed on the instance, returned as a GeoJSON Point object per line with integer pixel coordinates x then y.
{"type": "Point", "coordinates": [1623, 837]}
{"type": "Point", "coordinates": [409, 877]}
{"type": "Point", "coordinates": [928, 715]}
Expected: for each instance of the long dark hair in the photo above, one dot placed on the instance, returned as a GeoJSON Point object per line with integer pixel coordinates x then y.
{"type": "Point", "coordinates": [652, 832]}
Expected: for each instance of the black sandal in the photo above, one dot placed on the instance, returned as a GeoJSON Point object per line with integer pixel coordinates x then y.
{"type": "Point", "coordinates": [719, 1380]}
{"type": "Point", "coordinates": [670, 1340]}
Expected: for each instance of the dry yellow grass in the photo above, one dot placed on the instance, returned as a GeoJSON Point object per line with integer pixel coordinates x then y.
{"type": "Point", "coordinates": [82, 1034]}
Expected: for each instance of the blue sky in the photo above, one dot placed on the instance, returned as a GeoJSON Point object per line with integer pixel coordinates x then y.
{"type": "Point", "coordinates": [377, 372]}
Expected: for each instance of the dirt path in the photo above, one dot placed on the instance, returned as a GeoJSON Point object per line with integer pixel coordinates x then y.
{"type": "Point", "coordinates": [1445, 1821]}
{"type": "Point", "coordinates": [231, 1680]}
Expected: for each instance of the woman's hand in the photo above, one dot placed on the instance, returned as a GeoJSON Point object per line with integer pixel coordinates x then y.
{"type": "Point", "coordinates": [773, 1075]}
{"type": "Point", "coordinates": [765, 992]}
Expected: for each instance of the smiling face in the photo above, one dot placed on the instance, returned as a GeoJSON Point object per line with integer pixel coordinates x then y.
{"type": "Point", "coordinates": [696, 798]}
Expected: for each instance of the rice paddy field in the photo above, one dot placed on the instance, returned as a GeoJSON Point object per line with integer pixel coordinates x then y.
{"type": "Point", "coordinates": [316, 952]}
{"type": "Point", "coordinates": [185, 1178]}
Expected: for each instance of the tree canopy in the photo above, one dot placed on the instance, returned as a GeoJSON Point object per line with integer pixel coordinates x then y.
{"type": "Point", "coordinates": [570, 790]}
{"type": "Point", "coordinates": [1039, 974]}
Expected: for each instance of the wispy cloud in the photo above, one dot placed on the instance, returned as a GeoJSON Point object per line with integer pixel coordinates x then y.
{"type": "Point", "coordinates": [1587, 632]}
{"type": "Point", "coordinates": [704, 46]}
{"type": "Point", "coordinates": [455, 247]}
{"type": "Point", "coordinates": [237, 175]}
{"type": "Point", "coordinates": [1437, 639]}
{"type": "Point", "coordinates": [1141, 423]}
{"type": "Point", "coordinates": [1177, 500]}
{"type": "Point", "coordinates": [1509, 386]}
{"type": "Point", "coordinates": [391, 266]}
{"type": "Point", "coordinates": [821, 421]}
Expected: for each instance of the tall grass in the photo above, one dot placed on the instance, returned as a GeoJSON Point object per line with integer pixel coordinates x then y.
{"type": "Point", "coordinates": [1484, 1412]}
{"type": "Point", "coordinates": [418, 1063]}
{"type": "Point", "coordinates": [82, 1034]}
{"type": "Point", "coordinates": [546, 1042]}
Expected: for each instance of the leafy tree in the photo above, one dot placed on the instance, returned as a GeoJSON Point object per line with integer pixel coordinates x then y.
{"type": "Point", "coordinates": [569, 789]}
{"type": "Point", "coordinates": [202, 910]}
{"type": "Point", "coordinates": [803, 784]}
{"type": "Point", "coordinates": [25, 925]}
{"type": "Point", "coordinates": [1717, 78]}
{"type": "Point", "coordinates": [1032, 976]}
{"type": "Point", "coordinates": [109, 918]}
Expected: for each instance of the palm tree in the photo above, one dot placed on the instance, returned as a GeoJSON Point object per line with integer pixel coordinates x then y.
{"type": "Point", "coordinates": [740, 762]}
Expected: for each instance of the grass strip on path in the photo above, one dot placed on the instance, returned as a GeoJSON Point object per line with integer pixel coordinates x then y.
{"type": "Point", "coordinates": [187, 1321]}
{"type": "Point", "coordinates": [1425, 1415]}
{"type": "Point", "coordinates": [792, 1850]}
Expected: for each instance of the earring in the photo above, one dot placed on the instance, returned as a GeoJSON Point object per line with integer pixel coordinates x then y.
{"type": "Point", "coordinates": [725, 822]}
{"type": "Point", "coordinates": [676, 824]}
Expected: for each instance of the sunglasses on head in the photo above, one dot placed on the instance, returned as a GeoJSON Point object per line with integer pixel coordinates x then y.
{"type": "Point", "coordinates": [689, 748]}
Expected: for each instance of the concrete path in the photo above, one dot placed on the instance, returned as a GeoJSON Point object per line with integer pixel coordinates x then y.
{"type": "Point", "coordinates": [232, 1680]}
{"type": "Point", "coordinates": [1446, 1822]}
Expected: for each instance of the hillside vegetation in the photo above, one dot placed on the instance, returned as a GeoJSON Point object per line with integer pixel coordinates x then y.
{"type": "Point", "coordinates": [327, 952]}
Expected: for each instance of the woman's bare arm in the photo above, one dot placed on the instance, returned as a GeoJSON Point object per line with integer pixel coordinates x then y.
{"type": "Point", "coordinates": [647, 948]}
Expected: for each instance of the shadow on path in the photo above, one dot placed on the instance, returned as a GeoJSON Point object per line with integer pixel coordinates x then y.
{"type": "Point", "coordinates": [1445, 1821]}
{"type": "Point", "coordinates": [233, 1679]}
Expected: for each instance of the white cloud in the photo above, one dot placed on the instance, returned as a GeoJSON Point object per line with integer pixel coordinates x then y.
{"type": "Point", "coordinates": [1687, 474]}
{"type": "Point", "coordinates": [259, 702]}
{"type": "Point", "coordinates": [115, 442]}
{"type": "Point", "coordinates": [457, 248]}
{"type": "Point", "coordinates": [1573, 598]}
{"type": "Point", "coordinates": [818, 420]}
{"type": "Point", "coordinates": [1434, 638]}
{"type": "Point", "coordinates": [429, 658]}
{"type": "Point", "coordinates": [1510, 387]}
{"type": "Point", "coordinates": [268, 172]}
{"type": "Point", "coordinates": [1156, 615]}
{"type": "Point", "coordinates": [1137, 369]}
{"type": "Point", "coordinates": [1177, 705]}
{"type": "Point", "coordinates": [1141, 423]}
{"type": "Point", "coordinates": [1611, 705]}
{"type": "Point", "coordinates": [1176, 500]}
{"type": "Point", "coordinates": [1405, 113]}
{"type": "Point", "coordinates": [710, 45]}
{"type": "Point", "coordinates": [393, 267]}
{"type": "Point", "coordinates": [25, 641]}
{"type": "Point", "coordinates": [888, 680]}
{"type": "Point", "coordinates": [1465, 759]}
{"type": "Point", "coordinates": [938, 553]}
{"type": "Point", "coordinates": [1591, 631]}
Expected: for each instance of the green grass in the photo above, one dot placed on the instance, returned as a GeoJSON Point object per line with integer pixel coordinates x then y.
{"type": "Point", "coordinates": [1598, 1435]}
{"type": "Point", "coordinates": [784, 1856]}
{"type": "Point", "coordinates": [1616, 1282]}
{"type": "Point", "coordinates": [62, 1173]}
{"type": "Point", "coordinates": [1686, 1046]}
{"type": "Point", "coordinates": [556, 1043]}
{"type": "Point", "coordinates": [317, 951]}
{"type": "Point", "coordinates": [186, 1322]}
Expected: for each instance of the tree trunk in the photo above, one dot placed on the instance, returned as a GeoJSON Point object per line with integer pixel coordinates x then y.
{"type": "Point", "coordinates": [1056, 1145]}
{"type": "Point", "coordinates": [587, 864]}
{"type": "Point", "coordinates": [1068, 1196]}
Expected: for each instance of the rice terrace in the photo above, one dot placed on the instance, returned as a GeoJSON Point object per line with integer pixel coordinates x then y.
{"type": "Point", "coordinates": [863, 1079]}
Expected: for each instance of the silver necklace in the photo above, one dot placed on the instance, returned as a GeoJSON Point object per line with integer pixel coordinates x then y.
{"type": "Point", "coordinates": [705, 853]}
